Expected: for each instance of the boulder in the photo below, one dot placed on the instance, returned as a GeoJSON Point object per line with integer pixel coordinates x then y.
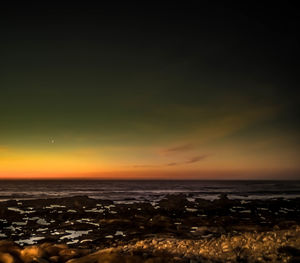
{"type": "Point", "coordinates": [9, 249]}
{"type": "Point", "coordinates": [6, 258]}
{"type": "Point", "coordinates": [32, 253]}
{"type": "Point", "coordinates": [174, 202]}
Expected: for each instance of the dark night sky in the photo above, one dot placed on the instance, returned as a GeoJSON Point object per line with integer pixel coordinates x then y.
{"type": "Point", "coordinates": [208, 90]}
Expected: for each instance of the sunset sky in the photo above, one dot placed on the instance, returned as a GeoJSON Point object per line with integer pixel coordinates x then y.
{"type": "Point", "coordinates": [159, 92]}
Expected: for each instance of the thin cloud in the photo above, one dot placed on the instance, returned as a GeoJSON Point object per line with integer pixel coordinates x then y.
{"type": "Point", "coordinates": [179, 148]}
{"type": "Point", "coordinates": [196, 159]}
{"type": "Point", "coordinates": [144, 166]}
{"type": "Point", "coordinates": [191, 160]}
{"type": "Point", "coordinates": [172, 164]}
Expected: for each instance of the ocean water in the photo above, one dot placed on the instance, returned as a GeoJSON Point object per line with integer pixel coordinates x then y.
{"type": "Point", "coordinates": [127, 191]}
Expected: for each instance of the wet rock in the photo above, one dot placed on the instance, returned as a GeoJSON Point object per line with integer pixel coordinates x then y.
{"type": "Point", "coordinates": [223, 197]}
{"type": "Point", "coordinates": [9, 250]}
{"type": "Point", "coordinates": [160, 221]}
{"type": "Point", "coordinates": [30, 254]}
{"type": "Point", "coordinates": [223, 202]}
{"type": "Point", "coordinates": [8, 246]}
{"type": "Point", "coordinates": [54, 259]}
{"type": "Point", "coordinates": [174, 202]}
{"type": "Point", "coordinates": [215, 231]}
{"type": "Point", "coordinates": [76, 202]}
{"type": "Point", "coordinates": [66, 254]}
{"type": "Point", "coordinates": [40, 260]}
{"type": "Point", "coordinates": [203, 203]}
{"type": "Point", "coordinates": [113, 257]}
{"type": "Point", "coordinates": [52, 249]}
{"type": "Point", "coordinates": [116, 221]}
{"type": "Point", "coordinates": [6, 258]}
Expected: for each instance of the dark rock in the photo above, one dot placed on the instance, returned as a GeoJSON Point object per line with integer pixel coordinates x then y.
{"type": "Point", "coordinates": [52, 250]}
{"type": "Point", "coordinates": [174, 202]}
{"type": "Point", "coordinates": [123, 258]}
{"type": "Point", "coordinates": [67, 253]}
{"type": "Point", "coordinates": [8, 258]}
{"type": "Point", "coordinates": [203, 203]}
{"type": "Point", "coordinates": [118, 222]}
{"type": "Point", "coordinates": [292, 251]}
{"type": "Point", "coordinates": [223, 197]}
{"type": "Point", "coordinates": [294, 260]}
{"type": "Point", "coordinates": [9, 249]}
{"type": "Point", "coordinates": [54, 259]}
{"type": "Point", "coordinates": [160, 221]}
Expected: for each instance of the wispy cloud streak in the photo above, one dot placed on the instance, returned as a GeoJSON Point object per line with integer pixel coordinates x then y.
{"type": "Point", "coordinates": [196, 159]}
{"type": "Point", "coordinates": [191, 160]}
{"type": "Point", "coordinates": [178, 149]}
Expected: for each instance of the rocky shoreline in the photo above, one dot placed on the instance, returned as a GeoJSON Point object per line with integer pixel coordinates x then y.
{"type": "Point", "coordinates": [82, 229]}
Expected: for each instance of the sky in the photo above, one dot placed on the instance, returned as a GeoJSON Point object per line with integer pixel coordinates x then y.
{"type": "Point", "coordinates": [149, 92]}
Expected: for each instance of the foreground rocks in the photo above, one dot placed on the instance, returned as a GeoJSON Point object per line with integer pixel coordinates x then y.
{"type": "Point", "coordinates": [81, 229]}
{"type": "Point", "coordinates": [274, 246]}
{"type": "Point", "coordinates": [271, 246]}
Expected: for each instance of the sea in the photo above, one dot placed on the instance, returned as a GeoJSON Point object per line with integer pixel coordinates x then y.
{"type": "Point", "coordinates": [130, 191]}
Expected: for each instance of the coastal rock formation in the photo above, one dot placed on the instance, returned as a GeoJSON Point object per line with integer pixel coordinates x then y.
{"type": "Point", "coordinates": [176, 229]}
{"type": "Point", "coordinates": [174, 202]}
{"type": "Point", "coordinates": [271, 246]}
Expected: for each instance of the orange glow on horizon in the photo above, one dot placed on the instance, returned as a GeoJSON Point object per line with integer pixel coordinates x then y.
{"type": "Point", "coordinates": [161, 175]}
{"type": "Point", "coordinates": [144, 163]}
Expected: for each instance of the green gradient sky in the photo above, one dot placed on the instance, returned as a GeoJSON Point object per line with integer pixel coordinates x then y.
{"type": "Point", "coordinates": [170, 92]}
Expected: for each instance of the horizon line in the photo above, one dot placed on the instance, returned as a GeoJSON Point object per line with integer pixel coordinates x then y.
{"type": "Point", "coordinates": [144, 179]}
